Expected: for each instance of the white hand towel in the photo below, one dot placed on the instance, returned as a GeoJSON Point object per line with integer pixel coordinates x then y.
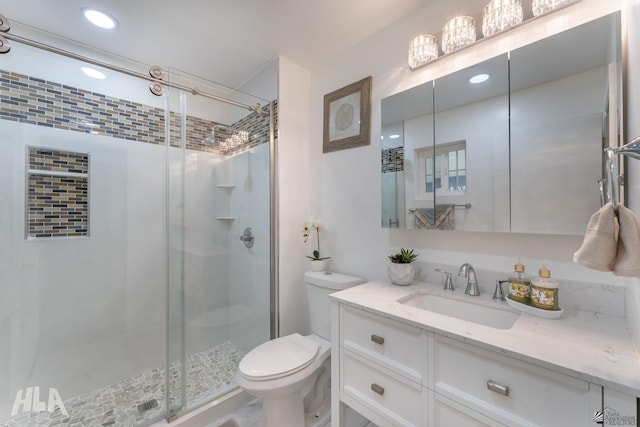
{"type": "Point", "coordinates": [627, 262]}
{"type": "Point", "coordinates": [598, 250]}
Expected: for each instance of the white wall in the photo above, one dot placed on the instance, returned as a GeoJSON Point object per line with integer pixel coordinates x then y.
{"type": "Point", "coordinates": [633, 130]}
{"type": "Point", "coordinates": [344, 186]}
{"type": "Point", "coordinates": [295, 193]}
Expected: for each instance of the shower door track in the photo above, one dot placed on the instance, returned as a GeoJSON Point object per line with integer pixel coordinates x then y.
{"type": "Point", "coordinates": [5, 47]}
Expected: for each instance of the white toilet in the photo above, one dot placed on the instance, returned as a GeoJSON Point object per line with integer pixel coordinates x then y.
{"type": "Point", "coordinates": [291, 374]}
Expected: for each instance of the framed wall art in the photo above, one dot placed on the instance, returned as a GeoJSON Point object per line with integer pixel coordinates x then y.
{"type": "Point", "coordinates": [347, 117]}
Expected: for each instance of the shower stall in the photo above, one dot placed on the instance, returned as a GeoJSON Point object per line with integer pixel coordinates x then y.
{"type": "Point", "coordinates": [136, 237]}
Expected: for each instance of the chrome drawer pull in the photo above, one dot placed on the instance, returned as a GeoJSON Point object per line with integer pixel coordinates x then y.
{"type": "Point", "coordinates": [377, 339]}
{"type": "Point", "coordinates": [377, 389]}
{"type": "Point", "coordinates": [502, 389]}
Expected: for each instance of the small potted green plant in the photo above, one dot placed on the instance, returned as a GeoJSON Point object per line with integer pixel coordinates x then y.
{"type": "Point", "coordinates": [401, 269]}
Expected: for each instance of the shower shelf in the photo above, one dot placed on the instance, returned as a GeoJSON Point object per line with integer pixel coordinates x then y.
{"type": "Point", "coordinates": [226, 190]}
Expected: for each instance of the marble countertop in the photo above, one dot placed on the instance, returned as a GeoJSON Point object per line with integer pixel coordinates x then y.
{"type": "Point", "coordinates": [594, 347]}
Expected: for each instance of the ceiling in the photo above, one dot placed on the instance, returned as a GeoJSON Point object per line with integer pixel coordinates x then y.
{"type": "Point", "coordinates": [226, 41]}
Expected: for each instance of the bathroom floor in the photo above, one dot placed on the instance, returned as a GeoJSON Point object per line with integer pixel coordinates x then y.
{"type": "Point", "coordinates": [247, 416]}
{"type": "Point", "coordinates": [117, 404]}
{"type": "Point", "coordinates": [250, 416]}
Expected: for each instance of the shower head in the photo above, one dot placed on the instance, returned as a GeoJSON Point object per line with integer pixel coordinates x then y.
{"type": "Point", "coordinates": [258, 109]}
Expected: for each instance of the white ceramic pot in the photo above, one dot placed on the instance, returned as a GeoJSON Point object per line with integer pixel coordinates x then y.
{"type": "Point", "coordinates": [401, 274]}
{"type": "Point", "coordinates": [317, 265]}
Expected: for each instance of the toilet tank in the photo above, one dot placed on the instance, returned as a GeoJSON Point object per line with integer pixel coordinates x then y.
{"type": "Point", "coordinates": [319, 285]}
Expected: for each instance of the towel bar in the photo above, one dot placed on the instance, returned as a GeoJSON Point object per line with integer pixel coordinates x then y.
{"type": "Point", "coordinates": [632, 150]}
{"type": "Point", "coordinates": [466, 206]}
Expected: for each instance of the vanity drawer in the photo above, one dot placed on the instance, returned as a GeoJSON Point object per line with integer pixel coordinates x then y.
{"type": "Point", "coordinates": [501, 387]}
{"type": "Point", "coordinates": [393, 345]}
{"type": "Point", "coordinates": [389, 396]}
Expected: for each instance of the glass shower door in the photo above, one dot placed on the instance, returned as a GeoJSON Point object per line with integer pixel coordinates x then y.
{"type": "Point", "coordinates": [218, 208]}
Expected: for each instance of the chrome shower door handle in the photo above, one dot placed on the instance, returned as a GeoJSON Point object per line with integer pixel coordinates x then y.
{"type": "Point", "coordinates": [247, 237]}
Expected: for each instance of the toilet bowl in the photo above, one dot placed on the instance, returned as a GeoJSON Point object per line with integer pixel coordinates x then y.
{"type": "Point", "coordinates": [283, 372]}
{"type": "Point", "coordinates": [292, 373]}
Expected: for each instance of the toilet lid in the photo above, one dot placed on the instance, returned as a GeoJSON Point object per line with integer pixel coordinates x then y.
{"type": "Point", "coordinates": [279, 357]}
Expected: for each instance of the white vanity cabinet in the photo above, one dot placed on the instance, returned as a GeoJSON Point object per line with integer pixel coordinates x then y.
{"type": "Point", "coordinates": [381, 368]}
{"type": "Point", "coordinates": [509, 391]}
{"type": "Point", "coordinates": [397, 374]}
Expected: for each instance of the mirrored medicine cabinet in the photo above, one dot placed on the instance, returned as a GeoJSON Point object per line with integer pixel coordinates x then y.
{"type": "Point", "coordinates": [519, 152]}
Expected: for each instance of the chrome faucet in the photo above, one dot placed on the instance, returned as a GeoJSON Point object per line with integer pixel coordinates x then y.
{"type": "Point", "coordinates": [467, 270]}
{"type": "Point", "coordinates": [448, 283]}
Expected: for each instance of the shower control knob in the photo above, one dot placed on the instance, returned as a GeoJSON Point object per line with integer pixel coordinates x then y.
{"type": "Point", "coordinates": [247, 237]}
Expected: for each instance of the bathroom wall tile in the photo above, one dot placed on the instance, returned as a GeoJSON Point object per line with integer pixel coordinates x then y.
{"type": "Point", "coordinates": [39, 102]}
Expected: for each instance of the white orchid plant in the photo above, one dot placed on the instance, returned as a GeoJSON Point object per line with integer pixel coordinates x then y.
{"type": "Point", "coordinates": [309, 227]}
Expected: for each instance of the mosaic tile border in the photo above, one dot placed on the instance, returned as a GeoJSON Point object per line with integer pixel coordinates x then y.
{"type": "Point", "coordinates": [41, 102]}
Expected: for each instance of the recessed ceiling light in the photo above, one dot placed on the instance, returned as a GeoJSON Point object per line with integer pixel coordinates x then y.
{"type": "Point", "coordinates": [394, 136]}
{"type": "Point", "coordinates": [93, 73]}
{"type": "Point", "coordinates": [479, 78]}
{"type": "Point", "coordinates": [100, 19]}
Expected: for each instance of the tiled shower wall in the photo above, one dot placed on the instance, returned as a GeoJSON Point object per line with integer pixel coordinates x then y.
{"type": "Point", "coordinates": [39, 102]}
{"type": "Point", "coordinates": [58, 205]}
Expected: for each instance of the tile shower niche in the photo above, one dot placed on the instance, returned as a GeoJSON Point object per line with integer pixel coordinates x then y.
{"type": "Point", "coordinates": [57, 194]}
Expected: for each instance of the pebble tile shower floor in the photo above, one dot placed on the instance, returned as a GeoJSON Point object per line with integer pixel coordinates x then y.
{"type": "Point", "coordinates": [117, 404]}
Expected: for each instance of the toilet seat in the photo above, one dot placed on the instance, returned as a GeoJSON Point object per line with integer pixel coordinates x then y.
{"type": "Point", "coordinates": [278, 358]}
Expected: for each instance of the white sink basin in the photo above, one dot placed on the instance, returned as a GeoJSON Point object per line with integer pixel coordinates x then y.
{"type": "Point", "coordinates": [464, 308]}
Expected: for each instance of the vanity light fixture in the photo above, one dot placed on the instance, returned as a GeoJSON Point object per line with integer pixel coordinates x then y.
{"type": "Point", "coordinates": [93, 73]}
{"type": "Point", "coordinates": [540, 7]}
{"type": "Point", "coordinates": [458, 33]}
{"type": "Point", "coordinates": [422, 49]}
{"type": "Point", "coordinates": [394, 136]}
{"type": "Point", "coordinates": [499, 15]}
{"type": "Point", "coordinates": [479, 78]}
{"type": "Point", "coordinates": [100, 19]}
